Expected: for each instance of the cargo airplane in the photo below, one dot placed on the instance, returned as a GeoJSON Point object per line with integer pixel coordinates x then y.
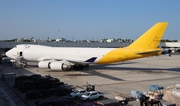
{"type": "Point", "coordinates": [68, 58]}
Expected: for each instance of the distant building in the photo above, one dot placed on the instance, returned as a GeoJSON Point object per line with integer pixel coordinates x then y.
{"type": "Point", "coordinates": [110, 40]}
{"type": "Point", "coordinates": [170, 44]}
{"type": "Point", "coordinates": [61, 40]}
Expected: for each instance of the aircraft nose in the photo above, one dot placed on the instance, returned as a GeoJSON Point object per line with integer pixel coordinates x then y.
{"type": "Point", "coordinates": [9, 54]}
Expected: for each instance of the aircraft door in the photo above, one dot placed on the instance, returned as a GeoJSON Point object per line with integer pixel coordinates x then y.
{"type": "Point", "coordinates": [19, 54]}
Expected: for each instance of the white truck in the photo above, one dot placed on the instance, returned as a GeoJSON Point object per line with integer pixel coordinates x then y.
{"type": "Point", "coordinates": [92, 95]}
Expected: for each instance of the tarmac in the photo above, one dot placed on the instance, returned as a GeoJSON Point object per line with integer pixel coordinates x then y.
{"type": "Point", "coordinates": [111, 79]}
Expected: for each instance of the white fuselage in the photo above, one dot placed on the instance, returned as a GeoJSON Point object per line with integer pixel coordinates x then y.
{"type": "Point", "coordinates": [41, 53]}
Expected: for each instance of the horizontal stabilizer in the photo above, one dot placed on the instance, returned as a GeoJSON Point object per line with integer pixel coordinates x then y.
{"type": "Point", "coordinates": [147, 52]}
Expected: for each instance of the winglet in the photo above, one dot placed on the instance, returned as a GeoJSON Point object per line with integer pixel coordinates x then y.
{"type": "Point", "coordinates": [151, 38]}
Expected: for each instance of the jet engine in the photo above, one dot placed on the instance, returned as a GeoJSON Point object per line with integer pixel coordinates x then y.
{"type": "Point", "coordinates": [54, 65]}
{"type": "Point", "coordinates": [58, 65]}
{"type": "Point", "coordinates": [44, 64]}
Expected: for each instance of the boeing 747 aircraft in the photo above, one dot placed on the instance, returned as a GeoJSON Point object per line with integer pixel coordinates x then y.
{"type": "Point", "coordinates": [67, 58]}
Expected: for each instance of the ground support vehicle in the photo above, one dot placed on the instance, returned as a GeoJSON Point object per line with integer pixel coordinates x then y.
{"type": "Point", "coordinates": [124, 99]}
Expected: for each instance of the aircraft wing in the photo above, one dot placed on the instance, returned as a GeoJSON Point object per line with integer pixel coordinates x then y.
{"type": "Point", "coordinates": [79, 61]}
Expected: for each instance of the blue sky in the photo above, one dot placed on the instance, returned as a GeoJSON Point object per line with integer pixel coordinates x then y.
{"type": "Point", "coordinates": [86, 19]}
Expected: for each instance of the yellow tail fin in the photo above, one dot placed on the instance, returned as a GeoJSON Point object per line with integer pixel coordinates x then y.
{"type": "Point", "coordinates": [151, 38]}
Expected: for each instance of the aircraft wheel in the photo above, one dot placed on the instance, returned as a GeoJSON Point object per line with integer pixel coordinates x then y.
{"type": "Point", "coordinates": [86, 65]}
{"type": "Point", "coordinates": [78, 67]}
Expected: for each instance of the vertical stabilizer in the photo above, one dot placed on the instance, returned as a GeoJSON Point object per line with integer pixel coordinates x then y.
{"type": "Point", "coordinates": [151, 38]}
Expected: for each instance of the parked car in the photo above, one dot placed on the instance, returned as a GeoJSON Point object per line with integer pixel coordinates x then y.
{"type": "Point", "coordinates": [92, 95]}
{"type": "Point", "coordinates": [78, 93]}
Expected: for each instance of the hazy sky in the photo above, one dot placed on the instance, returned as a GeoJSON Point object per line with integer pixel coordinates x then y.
{"type": "Point", "coordinates": [86, 19]}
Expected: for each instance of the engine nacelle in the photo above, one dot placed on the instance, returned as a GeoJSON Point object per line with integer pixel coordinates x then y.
{"type": "Point", "coordinates": [44, 64]}
{"type": "Point", "coordinates": [58, 65]}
